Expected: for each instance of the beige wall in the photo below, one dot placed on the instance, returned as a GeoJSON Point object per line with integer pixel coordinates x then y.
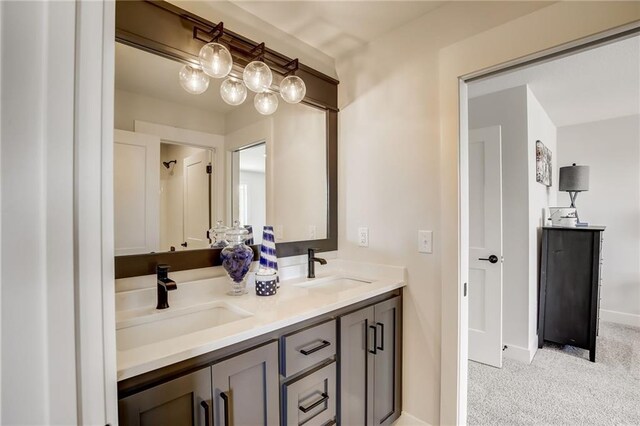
{"type": "Point", "coordinates": [130, 106]}
{"type": "Point", "coordinates": [398, 160]}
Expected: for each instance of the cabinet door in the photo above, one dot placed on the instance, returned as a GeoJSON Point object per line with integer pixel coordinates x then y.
{"type": "Point", "coordinates": [356, 368]}
{"type": "Point", "coordinates": [387, 361]}
{"type": "Point", "coordinates": [246, 388]}
{"type": "Point", "coordinates": [185, 401]}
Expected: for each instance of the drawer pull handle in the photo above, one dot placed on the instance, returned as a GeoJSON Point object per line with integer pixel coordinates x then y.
{"type": "Point", "coordinates": [204, 405]}
{"type": "Point", "coordinates": [324, 398]}
{"type": "Point", "coordinates": [225, 400]}
{"type": "Point", "coordinates": [374, 351]}
{"type": "Point", "coordinates": [322, 345]}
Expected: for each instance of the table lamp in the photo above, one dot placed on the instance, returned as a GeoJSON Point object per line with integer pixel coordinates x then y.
{"type": "Point", "coordinates": [574, 179]}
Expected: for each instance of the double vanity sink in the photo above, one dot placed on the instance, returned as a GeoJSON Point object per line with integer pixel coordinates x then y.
{"type": "Point", "coordinates": [202, 317]}
{"type": "Point", "coordinates": [319, 341]}
{"type": "Point", "coordinates": [147, 325]}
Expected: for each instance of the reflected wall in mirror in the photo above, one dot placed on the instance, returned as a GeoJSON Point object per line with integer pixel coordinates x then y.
{"type": "Point", "coordinates": [264, 170]}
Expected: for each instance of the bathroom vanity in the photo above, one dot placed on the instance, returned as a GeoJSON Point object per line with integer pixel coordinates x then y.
{"type": "Point", "coordinates": [321, 351]}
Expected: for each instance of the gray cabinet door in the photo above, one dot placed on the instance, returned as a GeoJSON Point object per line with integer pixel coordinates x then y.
{"type": "Point", "coordinates": [387, 362]}
{"type": "Point", "coordinates": [184, 401]}
{"type": "Point", "coordinates": [356, 368]}
{"type": "Point", "coordinates": [246, 388]}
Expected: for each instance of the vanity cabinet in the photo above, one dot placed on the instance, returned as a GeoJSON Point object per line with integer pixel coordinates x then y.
{"type": "Point", "coordinates": [342, 367]}
{"type": "Point", "coordinates": [246, 387]}
{"type": "Point", "coordinates": [185, 401]}
{"type": "Point", "coordinates": [370, 364]}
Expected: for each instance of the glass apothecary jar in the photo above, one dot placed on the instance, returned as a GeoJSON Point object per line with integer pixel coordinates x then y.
{"type": "Point", "coordinates": [236, 259]}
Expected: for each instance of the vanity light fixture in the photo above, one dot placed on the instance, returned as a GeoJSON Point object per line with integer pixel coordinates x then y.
{"type": "Point", "coordinates": [266, 102]}
{"type": "Point", "coordinates": [233, 91]}
{"type": "Point", "coordinates": [193, 80]}
{"type": "Point", "coordinates": [217, 60]}
{"type": "Point", "coordinates": [257, 76]}
{"type": "Point", "coordinates": [292, 89]}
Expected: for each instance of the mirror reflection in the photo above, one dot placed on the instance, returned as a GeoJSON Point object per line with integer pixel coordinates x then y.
{"type": "Point", "coordinates": [183, 162]}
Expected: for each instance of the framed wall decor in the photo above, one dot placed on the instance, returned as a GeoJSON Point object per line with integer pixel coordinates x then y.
{"type": "Point", "coordinates": [544, 165]}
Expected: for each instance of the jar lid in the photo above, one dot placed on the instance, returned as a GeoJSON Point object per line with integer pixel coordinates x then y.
{"type": "Point", "coordinates": [220, 228]}
{"type": "Point", "coordinates": [237, 229]}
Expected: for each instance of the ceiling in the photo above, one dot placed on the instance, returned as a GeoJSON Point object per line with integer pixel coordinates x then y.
{"type": "Point", "coordinates": [337, 27]}
{"type": "Point", "coordinates": [152, 75]}
{"type": "Point", "coordinates": [594, 85]}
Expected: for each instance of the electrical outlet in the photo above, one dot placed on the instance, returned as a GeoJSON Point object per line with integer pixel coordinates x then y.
{"type": "Point", "coordinates": [363, 237]}
{"type": "Point", "coordinates": [279, 231]}
{"type": "Point", "coordinates": [312, 232]}
{"type": "Point", "coordinates": [425, 241]}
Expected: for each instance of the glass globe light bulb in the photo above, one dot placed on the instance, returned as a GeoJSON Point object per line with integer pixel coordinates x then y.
{"type": "Point", "coordinates": [257, 76]}
{"type": "Point", "coordinates": [215, 60]}
{"type": "Point", "coordinates": [233, 91]}
{"type": "Point", "coordinates": [292, 89]}
{"type": "Point", "coordinates": [193, 80]}
{"type": "Point", "coordinates": [266, 103]}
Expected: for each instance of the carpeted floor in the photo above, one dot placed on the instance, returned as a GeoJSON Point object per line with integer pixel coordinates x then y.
{"type": "Point", "coordinates": [561, 386]}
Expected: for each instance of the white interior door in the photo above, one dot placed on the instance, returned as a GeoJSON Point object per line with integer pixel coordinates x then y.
{"type": "Point", "coordinates": [485, 246]}
{"type": "Point", "coordinates": [196, 199]}
{"type": "Point", "coordinates": [136, 191]}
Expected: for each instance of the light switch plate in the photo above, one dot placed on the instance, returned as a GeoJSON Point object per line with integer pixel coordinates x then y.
{"type": "Point", "coordinates": [363, 237]}
{"type": "Point", "coordinates": [425, 241]}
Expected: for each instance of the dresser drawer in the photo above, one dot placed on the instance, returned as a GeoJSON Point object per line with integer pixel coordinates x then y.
{"type": "Point", "coordinates": [311, 400]}
{"type": "Point", "coordinates": [308, 347]}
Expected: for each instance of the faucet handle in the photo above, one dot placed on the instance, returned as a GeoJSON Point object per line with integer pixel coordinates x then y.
{"type": "Point", "coordinates": [162, 269]}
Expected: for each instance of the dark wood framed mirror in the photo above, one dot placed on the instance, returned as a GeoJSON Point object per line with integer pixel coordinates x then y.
{"type": "Point", "coordinates": [165, 30]}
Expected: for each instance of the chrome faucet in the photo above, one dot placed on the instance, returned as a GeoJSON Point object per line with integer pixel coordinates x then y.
{"type": "Point", "coordinates": [311, 262]}
{"type": "Point", "coordinates": [165, 285]}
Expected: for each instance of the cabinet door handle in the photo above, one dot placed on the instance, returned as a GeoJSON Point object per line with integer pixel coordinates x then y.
{"type": "Point", "coordinates": [375, 339]}
{"type": "Point", "coordinates": [322, 345]}
{"type": "Point", "coordinates": [225, 400]}
{"type": "Point", "coordinates": [381, 325]}
{"type": "Point", "coordinates": [305, 410]}
{"type": "Point", "coordinates": [204, 405]}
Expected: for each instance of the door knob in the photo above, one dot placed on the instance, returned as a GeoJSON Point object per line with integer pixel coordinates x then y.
{"type": "Point", "coordinates": [493, 258]}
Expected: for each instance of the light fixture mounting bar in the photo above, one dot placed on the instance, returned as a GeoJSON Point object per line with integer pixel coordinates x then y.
{"type": "Point", "coordinates": [242, 49]}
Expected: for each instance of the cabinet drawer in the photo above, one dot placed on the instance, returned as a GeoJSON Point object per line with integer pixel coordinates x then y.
{"type": "Point", "coordinates": [308, 347]}
{"type": "Point", "coordinates": [311, 400]}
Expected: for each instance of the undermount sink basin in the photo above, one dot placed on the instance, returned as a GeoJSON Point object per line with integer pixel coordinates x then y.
{"type": "Point", "coordinates": [133, 336]}
{"type": "Point", "coordinates": [332, 285]}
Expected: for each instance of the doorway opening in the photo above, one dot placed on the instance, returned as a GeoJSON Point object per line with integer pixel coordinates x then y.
{"type": "Point", "coordinates": [524, 124]}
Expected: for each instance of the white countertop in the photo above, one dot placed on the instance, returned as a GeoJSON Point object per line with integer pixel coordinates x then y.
{"type": "Point", "coordinates": [292, 304]}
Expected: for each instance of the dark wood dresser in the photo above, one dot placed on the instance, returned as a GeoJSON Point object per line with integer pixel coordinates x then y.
{"type": "Point", "coordinates": [569, 291]}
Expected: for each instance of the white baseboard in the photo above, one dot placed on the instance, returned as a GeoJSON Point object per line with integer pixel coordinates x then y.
{"type": "Point", "coordinates": [521, 354]}
{"type": "Point", "coordinates": [407, 419]}
{"type": "Point", "coordinates": [620, 317]}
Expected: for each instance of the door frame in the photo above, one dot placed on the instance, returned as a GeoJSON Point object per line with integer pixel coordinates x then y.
{"type": "Point", "coordinates": [562, 50]}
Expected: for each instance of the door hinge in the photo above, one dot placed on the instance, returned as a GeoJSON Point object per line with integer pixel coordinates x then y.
{"type": "Point", "coordinates": [209, 169]}
{"type": "Point", "coordinates": [465, 290]}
